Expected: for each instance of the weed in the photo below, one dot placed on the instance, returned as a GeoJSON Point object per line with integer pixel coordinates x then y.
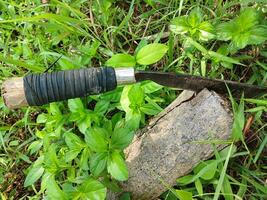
{"type": "Point", "coordinates": [74, 149]}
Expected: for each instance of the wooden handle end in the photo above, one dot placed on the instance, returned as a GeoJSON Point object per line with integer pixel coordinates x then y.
{"type": "Point", "coordinates": [13, 93]}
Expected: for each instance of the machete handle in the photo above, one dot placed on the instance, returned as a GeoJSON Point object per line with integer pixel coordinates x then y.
{"type": "Point", "coordinates": [41, 89]}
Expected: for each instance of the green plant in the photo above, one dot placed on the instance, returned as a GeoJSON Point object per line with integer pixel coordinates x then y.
{"type": "Point", "coordinates": [194, 25]}
{"type": "Point", "coordinates": [74, 149]}
{"type": "Point", "coordinates": [246, 29]}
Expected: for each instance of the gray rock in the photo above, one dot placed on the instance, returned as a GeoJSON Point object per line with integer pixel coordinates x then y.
{"type": "Point", "coordinates": [175, 141]}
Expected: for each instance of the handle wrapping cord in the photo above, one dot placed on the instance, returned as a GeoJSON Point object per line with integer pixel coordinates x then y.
{"type": "Point", "coordinates": [44, 88]}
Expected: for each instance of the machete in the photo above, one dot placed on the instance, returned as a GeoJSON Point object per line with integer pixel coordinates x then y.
{"type": "Point", "coordinates": [40, 89]}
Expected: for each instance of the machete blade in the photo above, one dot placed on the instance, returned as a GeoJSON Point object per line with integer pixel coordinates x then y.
{"type": "Point", "coordinates": [197, 83]}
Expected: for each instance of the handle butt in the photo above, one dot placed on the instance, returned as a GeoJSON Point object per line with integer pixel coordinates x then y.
{"type": "Point", "coordinates": [13, 93]}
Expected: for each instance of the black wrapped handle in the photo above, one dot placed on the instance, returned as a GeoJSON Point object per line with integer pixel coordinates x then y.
{"type": "Point", "coordinates": [44, 88]}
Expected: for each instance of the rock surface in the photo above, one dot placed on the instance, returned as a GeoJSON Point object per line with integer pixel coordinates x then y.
{"type": "Point", "coordinates": [175, 141]}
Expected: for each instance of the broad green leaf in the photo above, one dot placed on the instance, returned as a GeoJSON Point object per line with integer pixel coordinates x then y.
{"type": "Point", "coordinates": [52, 163]}
{"type": "Point", "coordinates": [258, 35]}
{"type": "Point", "coordinates": [101, 107]}
{"type": "Point", "coordinates": [96, 139]}
{"type": "Point", "coordinates": [75, 145]}
{"type": "Point", "coordinates": [98, 163]}
{"type": "Point", "coordinates": [73, 141]}
{"type": "Point", "coordinates": [206, 169]}
{"type": "Point", "coordinates": [133, 120]}
{"type": "Point", "coordinates": [71, 154]}
{"type": "Point", "coordinates": [84, 123]}
{"type": "Point", "coordinates": [124, 101]}
{"type": "Point", "coordinates": [184, 195]}
{"type": "Point", "coordinates": [206, 31]}
{"type": "Point", "coordinates": [201, 171]}
{"type": "Point", "coordinates": [91, 189]}
{"type": "Point", "coordinates": [151, 53]}
{"type": "Point", "coordinates": [121, 60]}
{"type": "Point", "coordinates": [199, 186]}
{"type": "Point", "coordinates": [179, 25]}
{"type": "Point", "coordinates": [84, 159]}
{"type": "Point", "coordinates": [136, 95]}
{"type": "Point", "coordinates": [150, 109]}
{"type": "Point", "coordinates": [150, 87]}
{"type": "Point", "coordinates": [54, 109]}
{"type": "Point", "coordinates": [117, 167]}
{"type": "Point", "coordinates": [41, 118]}
{"type": "Point", "coordinates": [35, 146]}
{"type": "Point", "coordinates": [53, 190]}
{"type": "Point", "coordinates": [35, 172]}
{"type": "Point", "coordinates": [75, 105]}
{"type": "Point", "coordinates": [195, 17]}
{"type": "Point", "coordinates": [121, 138]}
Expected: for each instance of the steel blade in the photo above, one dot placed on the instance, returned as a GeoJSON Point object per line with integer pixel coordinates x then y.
{"type": "Point", "coordinates": [197, 83]}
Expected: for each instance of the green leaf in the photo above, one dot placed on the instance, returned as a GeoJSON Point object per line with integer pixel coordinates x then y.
{"type": "Point", "coordinates": [243, 30]}
{"type": "Point", "coordinates": [239, 121]}
{"type": "Point", "coordinates": [73, 141]}
{"type": "Point", "coordinates": [184, 195]}
{"type": "Point", "coordinates": [53, 190]}
{"type": "Point", "coordinates": [91, 189]}
{"type": "Point", "coordinates": [121, 60]}
{"type": "Point", "coordinates": [227, 189]}
{"type": "Point", "coordinates": [202, 171]}
{"type": "Point", "coordinates": [206, 169]}
{"type": "Point", "coordinates": [83, 123]}
{"type": "Point", "coordinates": [197, 45]}
{"type": "Point", "coordinates": [121, 138]}
{"type": "Point", "coordinates": [35, 146]}
{"type": "Point", "coordinates": [199, 186]}
{"type": "Point", "coordinates": [84, 159]}
{"type": "Point", "coordinates": [124, 101]}
{"type": "Point", "coordinates": [71, 154]}
{"type": "Point", "coordinates": [179, 25]}
{"type": "Point", "coordinates": [35, 172]}
{"type": "Point", "coordinates": [96, 139]}
{"type": "Point", "coordinates": [133, 119]}
{"type": "Point", "coordinates": [75, 105]}
{"type": "Point", "coordinates": [136, 95]}
{"type": "Point", "coordinates": [54, 109]}
{"type": "Point", "coordinates": [223, 58]}
{"type": "Point", "coordinates": [101, 107]}
{"type": "Point", "coordinates": [41, 118]}
{"type": "Point", "coordinates": [195, 17]}
{"type": "Point", "coordinates": [117, 167]}
{"type": "Point", "coordinates": [98, 163]}
{"type": "Point", "coordinates": [257, 35]}
{"type": "Point", "coordinates": [206, 31]}
{"type": "Point", "coordinates": [222, 175]}
{"type": "Point", "coordinates": [125, 196]}
{"type": "Point", "coordinates": [151, 87]}
{"type": "Point", "coordinates": [151, 53]}
{"type": "Point", "coordinates": [150, 109]}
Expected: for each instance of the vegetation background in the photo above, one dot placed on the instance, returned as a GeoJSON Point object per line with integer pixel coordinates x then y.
{"type": "Point", "coordinates": [74, 149]}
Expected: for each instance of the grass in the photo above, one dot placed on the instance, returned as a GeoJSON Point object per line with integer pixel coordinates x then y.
{"type": "Point", "coordinates": [200, 41]}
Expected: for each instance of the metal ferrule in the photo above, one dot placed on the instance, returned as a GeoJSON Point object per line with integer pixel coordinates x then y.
{"type": "Point", "coordinates": [125, 76]}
